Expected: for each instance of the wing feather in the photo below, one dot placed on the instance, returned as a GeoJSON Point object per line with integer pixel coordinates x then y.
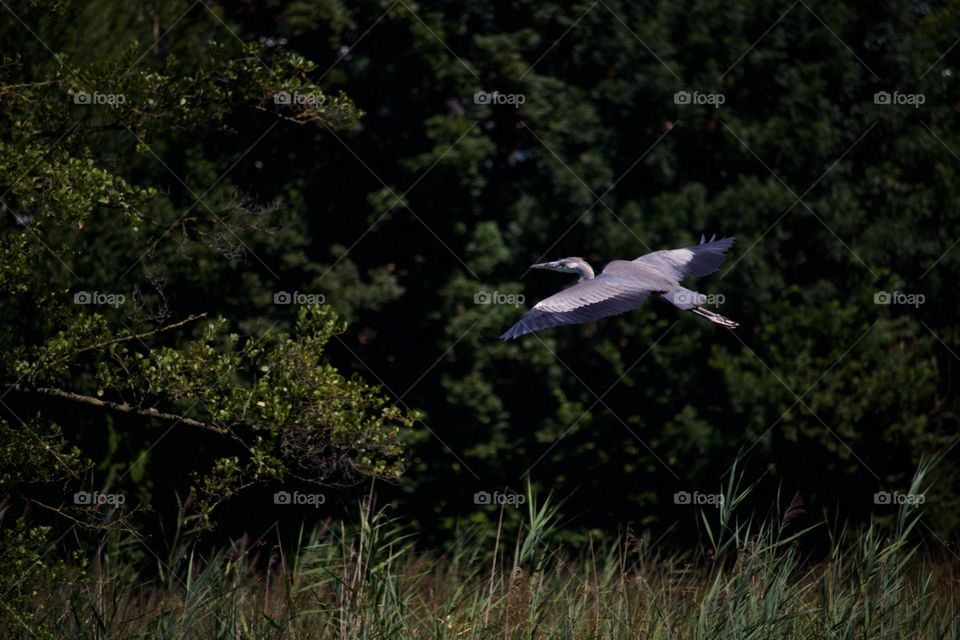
{"type": "Point", "coordinates": [600, 297]}
{"type": "Point", "coordinates": [698, 260]}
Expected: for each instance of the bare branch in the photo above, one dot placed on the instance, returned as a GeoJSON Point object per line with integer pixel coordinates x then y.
{"type": "Point", "coordinates": [129, 408]}
{"type": "Point", "coordinates": [138, 336]}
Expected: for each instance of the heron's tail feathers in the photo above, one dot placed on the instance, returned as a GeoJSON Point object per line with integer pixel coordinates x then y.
{"type": "Point", "coordinates": [715, 318]}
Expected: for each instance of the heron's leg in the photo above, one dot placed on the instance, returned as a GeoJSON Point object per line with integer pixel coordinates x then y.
{"type": "Point", "coordinates": [689, 300]}
{"type": "Point", "coordinates": [716, 318]}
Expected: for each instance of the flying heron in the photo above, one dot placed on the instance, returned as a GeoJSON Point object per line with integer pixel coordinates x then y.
{"type": "Point", "coordinates": [626, 284]}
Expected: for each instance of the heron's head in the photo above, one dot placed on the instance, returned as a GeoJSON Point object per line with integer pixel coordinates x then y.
{"type": "Point", "coordinates": [568, 265]}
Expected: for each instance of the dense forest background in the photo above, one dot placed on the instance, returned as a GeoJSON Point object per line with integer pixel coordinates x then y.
{"type": "Point", "coordinates": [184, 163]}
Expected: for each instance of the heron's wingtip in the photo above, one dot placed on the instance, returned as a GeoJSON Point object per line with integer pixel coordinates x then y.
{"type": "Point", "coordinates": [515, 332]}
{"type": "Point", "coordinates": [729, 240]}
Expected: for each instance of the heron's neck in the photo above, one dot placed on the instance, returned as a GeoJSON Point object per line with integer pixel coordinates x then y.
{"type": "Point", "coordinates": [585, 271]}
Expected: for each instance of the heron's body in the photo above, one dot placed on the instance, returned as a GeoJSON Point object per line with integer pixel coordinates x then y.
{"type": "Point", "coordinates": [626, 284]}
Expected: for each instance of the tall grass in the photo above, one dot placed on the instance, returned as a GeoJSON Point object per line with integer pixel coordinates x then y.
{"type": "Point", "coordinates": [749, 580]}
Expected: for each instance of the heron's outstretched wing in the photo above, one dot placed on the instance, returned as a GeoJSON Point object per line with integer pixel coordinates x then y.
{"type": "Point", "coordinates": [605, 295]}
{"type": "Point", "coordinates": [699, 260]}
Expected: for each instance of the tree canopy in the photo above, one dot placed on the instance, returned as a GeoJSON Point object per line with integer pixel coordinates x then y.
{"type": "Point", "coordinates": [250, 244]}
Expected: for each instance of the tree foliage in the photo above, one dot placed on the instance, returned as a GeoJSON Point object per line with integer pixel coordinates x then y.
{"type": "Point", "coordinates": [402, 203]}
{"type": "Point", "coordinates": [95, 321]}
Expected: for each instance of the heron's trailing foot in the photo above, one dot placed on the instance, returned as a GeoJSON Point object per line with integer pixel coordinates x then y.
{"type": "Point", "coordinates": [715, 318]}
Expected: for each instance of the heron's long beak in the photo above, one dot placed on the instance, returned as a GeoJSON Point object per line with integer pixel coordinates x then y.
{"type": "Point", "coordinates": [544, 265]}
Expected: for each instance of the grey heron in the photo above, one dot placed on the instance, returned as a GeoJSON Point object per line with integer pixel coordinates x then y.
{"type": "Point", "coordinates": [626, 284]}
